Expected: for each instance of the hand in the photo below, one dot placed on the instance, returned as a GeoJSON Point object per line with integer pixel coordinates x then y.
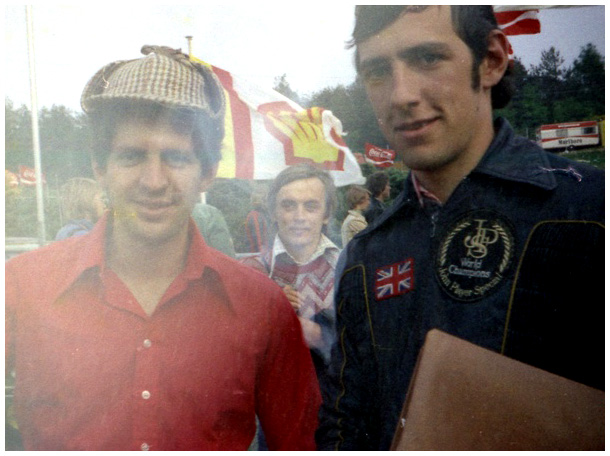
{"type": "Point", "coordinates": [294, 297]}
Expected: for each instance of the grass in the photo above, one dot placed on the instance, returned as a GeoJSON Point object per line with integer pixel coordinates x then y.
{"type": "Point", "coordinates": [595, 157]}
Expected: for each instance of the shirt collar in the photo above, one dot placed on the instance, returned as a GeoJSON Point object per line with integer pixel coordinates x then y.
{"type": "Point", "coordinates": [424, 195]}
{"type": "Point", "coordinates": [323, 245]}
{"type": "Point", "coordinates": [90, 252]}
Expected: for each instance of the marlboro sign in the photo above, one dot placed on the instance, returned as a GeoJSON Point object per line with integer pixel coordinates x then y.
{"type": "Point", "coordinates": [381, 158]}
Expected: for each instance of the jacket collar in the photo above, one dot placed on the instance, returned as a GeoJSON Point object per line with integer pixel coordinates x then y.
{"type": "Point", "coordinates": [515, 158]}
{"type": "Point", "coordinates": [509, 157]}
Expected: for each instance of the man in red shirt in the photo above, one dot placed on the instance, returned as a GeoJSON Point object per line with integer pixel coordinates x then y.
{"type": "Point", "coordinates": [138, 336]}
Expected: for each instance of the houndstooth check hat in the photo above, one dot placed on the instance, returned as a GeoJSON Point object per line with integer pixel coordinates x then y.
{"type": "Point", "coordinates": [165, 75]}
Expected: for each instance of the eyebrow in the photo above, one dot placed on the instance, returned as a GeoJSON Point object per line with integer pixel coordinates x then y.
{"type": "Point", "coordinates": [404, 54]}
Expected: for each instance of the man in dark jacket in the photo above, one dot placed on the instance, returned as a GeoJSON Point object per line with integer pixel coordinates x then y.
{"type": "Point", "coordinates": [492, 239]}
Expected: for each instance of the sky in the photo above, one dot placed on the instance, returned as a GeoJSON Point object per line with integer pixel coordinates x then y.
{"type": "Point", "coordinates": [258, 41]}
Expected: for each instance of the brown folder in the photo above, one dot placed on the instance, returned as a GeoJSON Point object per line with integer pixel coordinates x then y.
{"type": "Point", "coordinates": [464, 397]}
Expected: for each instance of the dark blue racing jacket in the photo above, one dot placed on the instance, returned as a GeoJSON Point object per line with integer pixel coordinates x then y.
{"type": "Point", "coordinates": [513, 262]}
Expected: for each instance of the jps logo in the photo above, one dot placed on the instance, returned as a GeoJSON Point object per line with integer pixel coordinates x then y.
{"type": "Point", "coordinates": [474, 255]}
{"type": "Point", "coordinates": [477, 244]}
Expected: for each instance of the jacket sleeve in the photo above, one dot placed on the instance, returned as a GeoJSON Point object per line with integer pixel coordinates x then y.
{"type": "Point", "coordinates": [349, 391]}
{"type": "Point", "coordinates": [288, 394]}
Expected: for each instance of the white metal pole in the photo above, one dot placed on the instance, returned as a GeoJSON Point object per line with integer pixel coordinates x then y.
{"type": "Point", "coordinates": [35, 133]}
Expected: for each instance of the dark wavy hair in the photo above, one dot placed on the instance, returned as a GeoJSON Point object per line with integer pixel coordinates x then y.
{"type": "Point", "coordinates": [377, 182]}
{"type": "Point", "coordinates": [472, 23]}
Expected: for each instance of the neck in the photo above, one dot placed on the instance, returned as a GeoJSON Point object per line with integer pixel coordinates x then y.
{"type": "Point", "coordinates": [443, 180]}
{"type": "Point", "coordinates": [302, 255]}
{"type": "Point", "coordinates": [146, 261]}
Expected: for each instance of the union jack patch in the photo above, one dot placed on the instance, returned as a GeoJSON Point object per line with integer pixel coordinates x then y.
{"type": "Point", "coordinates": [394, 280]}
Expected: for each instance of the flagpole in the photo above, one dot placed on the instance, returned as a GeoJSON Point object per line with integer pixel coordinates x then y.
{"type": "Point", "coordinates": [190, 43]}
{"type": "Point", "coordinates": [35, 133]}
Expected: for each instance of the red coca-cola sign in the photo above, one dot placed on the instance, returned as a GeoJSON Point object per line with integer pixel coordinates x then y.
{"type": "Point", "coordinates": [381, 158]}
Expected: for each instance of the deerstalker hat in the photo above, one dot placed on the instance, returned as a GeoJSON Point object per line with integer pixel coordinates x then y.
{"type": "Point", "coordinates": [164, 75]}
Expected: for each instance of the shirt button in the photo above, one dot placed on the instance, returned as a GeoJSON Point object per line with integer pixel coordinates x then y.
{"type": "Point", "coordinates": [145, 394]}
{"type": "Point", "coordinates": [144, 447]}
{"type": "Point", "coordinates": [147, 343]}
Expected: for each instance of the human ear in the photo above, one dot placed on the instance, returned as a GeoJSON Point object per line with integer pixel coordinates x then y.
{"type": "Point", "coordinates": [495, 61]}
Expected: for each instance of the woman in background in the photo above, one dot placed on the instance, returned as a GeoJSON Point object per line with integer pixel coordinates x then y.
{"type": "Point", "coordinates": [82, 204]}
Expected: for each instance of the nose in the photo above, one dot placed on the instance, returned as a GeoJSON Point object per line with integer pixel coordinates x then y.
{"type": "Point", "coordinates": [405, 86]}
{"type": "Point", "coordinates": [154, 174]}
{"type": "Point", "coordinates": [299, 213]}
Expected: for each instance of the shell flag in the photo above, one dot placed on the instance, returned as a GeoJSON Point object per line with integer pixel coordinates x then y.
{"type": "Point", "coordinates": [266, 132]}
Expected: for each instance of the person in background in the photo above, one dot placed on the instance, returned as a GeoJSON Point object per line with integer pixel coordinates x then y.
{"type": "Point", "coordinates": [82, 204]}
{"type": "Point", "coordinates": [213, 227]}
{"type": "Point", "coordinates": [139, 336]}
{"type": "Point", "coordinates": [257, 223]}
{"type": "Point", "coordinates": [358, 200]}
{"type": "Point", "coordinates": [378, 184]}
{"type": "Point", "coordinates": [481, 241]}
{"type": "Point", "coordinates": [301, 259]}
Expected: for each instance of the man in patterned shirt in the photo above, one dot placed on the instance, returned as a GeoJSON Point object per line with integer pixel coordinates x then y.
{"type": "Point", "coordinates": [301, 258]}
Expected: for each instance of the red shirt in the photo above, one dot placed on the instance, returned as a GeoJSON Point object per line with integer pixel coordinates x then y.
{"type": "Point", "coordinates": [94, 372]}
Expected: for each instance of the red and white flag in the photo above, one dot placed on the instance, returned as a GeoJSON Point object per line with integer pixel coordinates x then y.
{"type": "Point", "coordinates": [381, 158]}
{"type": "Point", "coordinates": [265, 132]}
{"type": "Point", "coordinates": [517, 20]}
{"type": "Point", "coordinates": [522, 22]}
{"type": "Point", "coordinates": [27, 176]}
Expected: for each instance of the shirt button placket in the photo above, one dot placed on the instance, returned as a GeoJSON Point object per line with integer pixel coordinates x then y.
{"type": "Point", "coordinates": [145, 381]}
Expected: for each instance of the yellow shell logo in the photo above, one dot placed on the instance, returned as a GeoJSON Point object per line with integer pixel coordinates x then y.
{"type": "Point", "coordinates": [307, 136]}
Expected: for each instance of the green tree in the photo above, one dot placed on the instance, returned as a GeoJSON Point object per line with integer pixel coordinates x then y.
{"type": "Point", "coordinates": [17, 136]}
{"type": "Point", "coordinates": [549, 78]}
{"type": "Point", "coordinates": [350, 104]}
{"type": "Point", "coordinates": [232, 198]}
{"type": "Point", "coordinates": [586, 81]}
{"type": "Point", "coordinates": [281, 85]}
{"type": "Point", "coordinates": [64, 144]}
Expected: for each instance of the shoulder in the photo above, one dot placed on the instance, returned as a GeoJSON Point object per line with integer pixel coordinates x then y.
{"type": "Point", "coordinates": [249, 290]}
{"type": "Point", "coordinates": [48, 256]}
{"type": "Point", "coordinates": [244, 275]}
{"type": "Point", "coordinates": [44, 272]}
{"type": "Point", "coordinates": [578, 183]}
{"type": "Point", "coordinates": [254, 261]}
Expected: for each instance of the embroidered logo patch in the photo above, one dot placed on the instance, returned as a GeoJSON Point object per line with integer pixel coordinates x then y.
{"type": "Point", "coordinates": [475, 255]}
{"type": "Point", "coordinates": [394, 280]}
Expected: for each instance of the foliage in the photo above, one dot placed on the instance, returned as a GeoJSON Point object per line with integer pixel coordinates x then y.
{"type": "Point", "coordinates": [550, 92]}
{"type": "Point", "coordinates": [595, 157]}
{"type": "Point", "coordinates": [232, 197]}
{"type": "Point", "coordinates": [546, 93]}
{"type": "Point", "coordinates": [351, 106]}
{"type": "Point", "coordinates": [21, 215]}
{"type": "Point", "coordinates": [281, 85]}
